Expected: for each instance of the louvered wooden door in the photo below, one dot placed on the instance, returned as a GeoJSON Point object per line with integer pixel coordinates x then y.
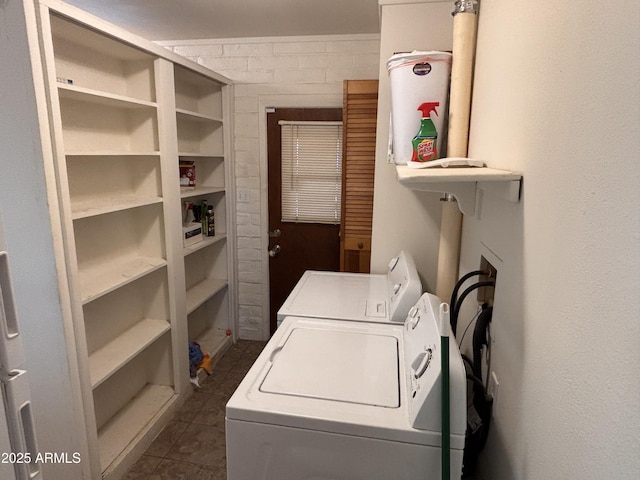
{"type": "Point", "coordinates": [359, 116]}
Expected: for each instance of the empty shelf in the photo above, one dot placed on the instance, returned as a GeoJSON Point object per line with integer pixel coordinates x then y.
{"type": "Point", "coordinates": [100, 280]}
{"type": "Point", "coordinates": [205, 242]}
{"type": "Point", "coordinates": [105, 361]}
{"type": "Point", "coordinates": [102, 205]}
{"type": "Point", "coordinates": [89, 95]}
{"type": "Point", "coordinates": [203, 291]}
{"type": "Point", "coordinates": [200, 191]}
{"type": "Point", "coordinates": [132, 420]}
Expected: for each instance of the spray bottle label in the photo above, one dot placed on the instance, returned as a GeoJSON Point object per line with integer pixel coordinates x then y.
{"type": "Point", "coordinates": [424, 150]}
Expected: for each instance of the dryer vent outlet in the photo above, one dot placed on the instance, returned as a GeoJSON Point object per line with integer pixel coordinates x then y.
{"type": "Point", "coordinates": [485, 294]}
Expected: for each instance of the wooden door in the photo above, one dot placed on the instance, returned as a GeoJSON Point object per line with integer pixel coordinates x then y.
{"type": "Point", "coordinates": [299, 246]}
{"type": "Point", "coordinates": [360, 110]}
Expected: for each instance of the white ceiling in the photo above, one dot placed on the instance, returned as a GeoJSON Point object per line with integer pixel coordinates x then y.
{"type": "Point", "coordinates": [198, 19]}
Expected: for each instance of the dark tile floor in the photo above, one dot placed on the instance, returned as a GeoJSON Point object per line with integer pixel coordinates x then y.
{"type": "Point", "coordinates": [192, 445]}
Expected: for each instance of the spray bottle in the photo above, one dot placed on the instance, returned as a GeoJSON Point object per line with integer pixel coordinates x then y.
{"type": "Point", "coordinates": [424, 143]}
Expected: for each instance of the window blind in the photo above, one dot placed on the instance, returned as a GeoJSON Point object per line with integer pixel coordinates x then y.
{"type": "Point", "coordinates": [311, 171]}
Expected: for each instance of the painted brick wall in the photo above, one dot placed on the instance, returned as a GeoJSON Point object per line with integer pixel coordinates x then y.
{"type": "Point", "coordinates": [263, 67]}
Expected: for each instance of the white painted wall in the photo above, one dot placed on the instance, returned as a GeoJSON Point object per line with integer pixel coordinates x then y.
{"type": "Point", "coordinates": [403, 218]}
{"type": "Point", "coordinates": [557, 97]}
{"type": "Point", "coordinates": [285, 72]}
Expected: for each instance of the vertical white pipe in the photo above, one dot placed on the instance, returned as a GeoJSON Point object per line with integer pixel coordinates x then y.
{"type": "Point", "coordinates": [464, 38]}
{"type": "Point", "coordinates": [449, 249]}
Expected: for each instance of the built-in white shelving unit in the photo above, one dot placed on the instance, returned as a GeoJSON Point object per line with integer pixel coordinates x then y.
{"type": "Point", "coordinates": [462, 182]}
{"type": "Point", "coordinates": [123, 113]}
{"type": "Point", "coordinates": [200, 108]}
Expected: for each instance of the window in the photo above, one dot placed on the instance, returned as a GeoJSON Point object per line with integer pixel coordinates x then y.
{"type": "Point", "coordinates": [311, 171]}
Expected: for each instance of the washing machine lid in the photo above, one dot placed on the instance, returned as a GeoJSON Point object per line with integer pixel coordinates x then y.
{"type": "Point", "coordinates": [339, 366]}
{"type": "Point", "coordinates": [293, 401]}
{"type": "Point", "coordinates": [346, 296]}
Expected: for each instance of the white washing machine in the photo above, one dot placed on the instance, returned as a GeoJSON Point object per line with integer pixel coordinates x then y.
{"type": "Point", "coordinates": [356, 296]}
{"type": "Point", "coordinates": [335, 400]}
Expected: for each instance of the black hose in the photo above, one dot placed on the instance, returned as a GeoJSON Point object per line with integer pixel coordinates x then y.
{"type": "Point", "coordinates": [455, 308]}
{"type": "Point", "coordinates": [475, 380]}
{"type": "Point", "coordinates": [479, 339]}
{"type": "Point", "coordinates": [464, 278]}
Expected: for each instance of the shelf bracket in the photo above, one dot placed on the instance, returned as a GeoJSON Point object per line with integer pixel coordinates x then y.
{"type": "Point", "coordinates": [509, 191]}
{"type": "Point", "coordinates": [463, 183]}
{"type": "Point", "coordinates": [464, 193]}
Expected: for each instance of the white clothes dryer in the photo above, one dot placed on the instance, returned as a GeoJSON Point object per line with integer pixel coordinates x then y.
{"type": "Point", "coordinates": [335, 400]}
{"type": "Point", "coordinates": [360, 297]}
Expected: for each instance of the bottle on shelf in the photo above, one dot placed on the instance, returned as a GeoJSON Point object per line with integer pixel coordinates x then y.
{"type": "Point", "coordinates": [188, 217]}
{"type": "Point", "coordinates": [203, 216]}
{"type": "Point", "coordinates": [425, 141]}
{"type": "Point", "coordinates": [210, 221]}
{"type": "Point", "coordinates": [191, 228]}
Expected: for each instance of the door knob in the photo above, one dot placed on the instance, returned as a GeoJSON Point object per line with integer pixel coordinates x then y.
{"type": "Point", "coordinates": [275, 251]}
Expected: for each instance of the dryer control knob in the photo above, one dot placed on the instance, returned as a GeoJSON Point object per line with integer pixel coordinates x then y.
{"type": "Point", "coordinates": [393, 263]}
{"type": "Point", "coordinates": [396, 288]}
{"type": "Point", "coordinates": [424, 364]}
{"type": "Point", "coordinates": [412, 318]}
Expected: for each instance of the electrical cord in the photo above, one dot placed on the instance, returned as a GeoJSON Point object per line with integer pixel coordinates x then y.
{"type": "Point", "coordinates": [475, 317]}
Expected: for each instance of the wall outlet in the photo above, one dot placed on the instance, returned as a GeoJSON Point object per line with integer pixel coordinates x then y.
{"type": "Point", "coordinates": [243, 196]}
{"type": "Point", "coordinates": [493, 388]}
{"type": "Point", "coordinates": [485, 294]}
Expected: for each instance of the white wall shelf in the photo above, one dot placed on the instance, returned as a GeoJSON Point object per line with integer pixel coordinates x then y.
{"type": "Point", "coordinates": [100, 62]}
{"type": "Point", "coordinates": [196, 117]}
{"type": "Point", "coordinates": [198, 137]}
{"type": "Point", "coordinates": [104, 205]}
{"type": "Point", "coordinates": [204, 243]}
{"type": "Point", "coordinates": [200, 191]}
{"type": "Point", "coordinates": [197, 93]}
{"type": "Point", "coordinates": [203, 291]}
{"type": "Point", "coordinates": [112, 126]}
{"type": "Point", "coordinates": [103, 279]}
{"type": "Point", "coordinates": [111, 153]}
{"type": "Point", "coordinates": [115, 436]}
{"type": "Point", "coordinates": [210, 176]}
{"type": "Point", "coordinates": [200, 155]}
{"type": "Point", "coordinates": [462, 183]}
{"type": "Point", "coordinates": [98, 97]}
{"type": "Point", "coordinates": [213, 339]}
{"type": "Point", "coordinates": [107, 360]}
